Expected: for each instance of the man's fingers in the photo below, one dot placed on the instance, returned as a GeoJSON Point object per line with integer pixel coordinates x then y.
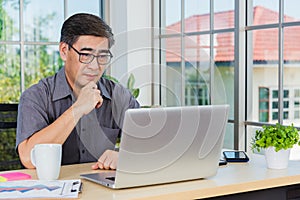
{"type": "Point", "coordinates": [98, 105]}
{"type": "Point", "coordinates": [95, 166]}
{"type": "Point", "coordinates": [98, 97]}
{"type": "Point", "coordinates": [102, 158]}
{"type": "Point", "coordinates": [107, 163]}
{"type": "Point", "coordinates": [108, 160]}
{"type": "Point", "coordinates": [113, 165]}
{"type": "Point", "coordinates": [104, 162]}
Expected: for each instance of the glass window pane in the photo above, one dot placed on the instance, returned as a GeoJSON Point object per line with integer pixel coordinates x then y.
{"type": "Point", "coordinates": [297, 115]}
{"type": "Point", "coordinates": [223, 14]}
{"type": "Point", "coordinates": [285, 94]}
{"type": "Point", "coordinates": [229, 137]}
{"type": "Point", "coordinates": [264, 12]}
{"type": "Point", "coordinates": [41, 61]}
{"type": "Point", "coordinates": [291, 70]}
{"type": "Point", "coordinates": [43, 20]}
{"type": "Point", "coordinates": [275, 116]}
{"type": "Point", "coordinates": [264, 105]}
{"type": "Point", "coordinates": [10, 79]}
{"type": "Point", "coordinates": [275, 105]}
{"type": "Point", "coordinates": [197, 70]}
{"type": "Point", "coordinates": [263, 93]}
{"type": "Point", "coordinates": [264, 54]}
{"type": "Point", "coordinates": [224, 70]}
{"type": "Point", "coordinates": [171, 16]}
{"type": "Point", "coordinates": [171, 74]}
{"type": "Point", "coordinates": [92, 6]}
{"type": "Point", "coordinates": [9, 20]}
{"type": "Point", "coordinates": [263, 116]}
{"type": "Point", "coordinates": [197, 16]}
{"type": "Point", "coordinates": [285, 115]}
{"type": "Point", "coordinates": [291, 11]}
{"type": "Point", "coordinates": [297, 93]}
{"type": "Point", "coordinates": [275, 94]}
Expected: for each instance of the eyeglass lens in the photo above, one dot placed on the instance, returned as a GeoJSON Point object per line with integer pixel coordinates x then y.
{"type": "Point", "coordinates": [103, 58]}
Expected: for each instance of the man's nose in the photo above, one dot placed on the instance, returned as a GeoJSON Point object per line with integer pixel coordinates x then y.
{"type": "Point", "coordinates": [94, 64]}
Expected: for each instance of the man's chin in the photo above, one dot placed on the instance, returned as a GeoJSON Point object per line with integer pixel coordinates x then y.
{"type": "Point", "coordinates": [84, 83]}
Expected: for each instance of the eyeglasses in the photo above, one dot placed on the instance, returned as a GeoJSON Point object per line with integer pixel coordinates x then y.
{"type": "Point", "coordinates": [102, 59]}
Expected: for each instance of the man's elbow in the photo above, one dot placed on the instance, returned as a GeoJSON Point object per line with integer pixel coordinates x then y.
{"type": "Point", "coordinates": [25, 158]}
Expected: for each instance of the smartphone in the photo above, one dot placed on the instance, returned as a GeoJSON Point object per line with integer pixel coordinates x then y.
{"type": "Point", "coordinates": [235, 156]}
{"type": "Point", "coordinates": [222, 162]}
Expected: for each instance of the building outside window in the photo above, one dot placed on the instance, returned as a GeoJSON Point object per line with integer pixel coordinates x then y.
{"type": "Point", "coordinates": [252, 45]}
{"type": "Point", "coordinates": [268, 105]}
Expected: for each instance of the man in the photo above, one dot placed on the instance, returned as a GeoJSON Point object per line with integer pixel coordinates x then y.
{"type": "Point", "coordinates": [76, 107]}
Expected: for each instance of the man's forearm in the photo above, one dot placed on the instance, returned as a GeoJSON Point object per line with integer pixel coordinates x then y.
{"type": "Point", "coordinates": [57, 132]}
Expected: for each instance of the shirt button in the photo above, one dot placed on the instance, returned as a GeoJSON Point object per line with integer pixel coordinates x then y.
{"type": "Point", "coordinates": [83, 129]}
{"type": "Point", "coordinates": [83, 151]}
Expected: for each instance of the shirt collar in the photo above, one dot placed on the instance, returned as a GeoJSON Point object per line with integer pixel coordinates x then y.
{"type": "Point", "coordinates": [62, 88]}
{"type": "Point", "coordinates": [103, 89]}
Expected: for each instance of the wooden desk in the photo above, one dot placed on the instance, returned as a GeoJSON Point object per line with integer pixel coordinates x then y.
{"type": "Point", "coordinates": [230, 179]}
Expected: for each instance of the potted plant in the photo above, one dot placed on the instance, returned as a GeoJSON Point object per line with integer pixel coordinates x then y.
{"type": "Point", "coordinates": [276, 141]}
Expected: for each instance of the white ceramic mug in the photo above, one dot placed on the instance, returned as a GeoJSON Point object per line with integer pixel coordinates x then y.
{"type": "Point", "coordinates": [47, 160]}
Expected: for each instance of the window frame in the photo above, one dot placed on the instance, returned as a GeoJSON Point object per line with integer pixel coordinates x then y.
{"type": "Point", "coordinates": [243, 67]}
{"type": "Point", "coordinates": [22, 41]}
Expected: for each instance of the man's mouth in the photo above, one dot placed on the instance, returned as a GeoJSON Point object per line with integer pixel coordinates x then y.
{"type": "Point", "coordinates": [91, 76]}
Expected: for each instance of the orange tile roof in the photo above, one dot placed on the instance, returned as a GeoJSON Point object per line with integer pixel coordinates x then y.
{"type": "Point", "coordinates": [265, 42]}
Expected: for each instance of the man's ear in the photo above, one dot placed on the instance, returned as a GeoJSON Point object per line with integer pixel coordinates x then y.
{"type": "Point", "coordinates": [63, 50]}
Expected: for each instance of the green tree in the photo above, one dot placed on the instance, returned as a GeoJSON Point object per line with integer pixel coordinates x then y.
{"type": "Point", "coordinates": [9, 59]}
{"type": "Point", "coordinates": [39, 63]}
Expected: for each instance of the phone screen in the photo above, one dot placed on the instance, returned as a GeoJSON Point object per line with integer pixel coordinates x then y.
{"type": "Point", "coordinates": [235, 156]}
{"type": "Point", "coordinates": [238, 154]}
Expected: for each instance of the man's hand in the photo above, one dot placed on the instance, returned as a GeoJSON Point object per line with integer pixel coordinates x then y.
{"type": "Point", "coordinates": [88, 99]}
{"type": "Point", "coordinates": [108, 160]}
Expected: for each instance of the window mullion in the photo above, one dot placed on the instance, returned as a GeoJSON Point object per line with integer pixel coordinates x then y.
{"type": "Point", "coordinates": [280, 64]}
{"type": "Point", "coordinates": [182, 37]}
{"type": "Point", "coordinates": [22, 49]}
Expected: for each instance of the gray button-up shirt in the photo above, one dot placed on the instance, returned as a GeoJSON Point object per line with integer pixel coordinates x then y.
{"type": "Point", "coordinates": [41, 104]}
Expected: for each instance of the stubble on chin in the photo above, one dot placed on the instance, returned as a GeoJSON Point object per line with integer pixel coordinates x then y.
{"type": "Point", "coordinates": [80, 83]}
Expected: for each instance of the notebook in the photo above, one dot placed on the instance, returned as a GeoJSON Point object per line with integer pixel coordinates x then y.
{"type": "Point", "coordinates": [170, 144]}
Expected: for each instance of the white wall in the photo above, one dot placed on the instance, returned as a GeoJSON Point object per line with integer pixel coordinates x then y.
{"type": "Point", "coordinates": [131, 24]}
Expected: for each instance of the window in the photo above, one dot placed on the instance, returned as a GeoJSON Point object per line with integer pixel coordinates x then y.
{"type": "Point", "coordinates": [29, 48]}
{"type": "Point", "coordinates": [290, 105]}
{"type": "Point", "coordinates": [264, 104]}
{"type": "Point", "coordinates": [198, 54]}
{"type": "Point", "coordinates": [272, 60]}
{"type": "Point", "coordinates": [204, 46]}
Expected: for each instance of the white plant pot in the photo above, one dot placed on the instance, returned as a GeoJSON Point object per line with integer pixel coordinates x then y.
{"type": "Point", "coordinates": [277, 160]}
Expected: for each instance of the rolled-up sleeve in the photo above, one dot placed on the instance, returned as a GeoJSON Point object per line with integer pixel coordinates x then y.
{"type": "Point", "coordinates": [32, 115]}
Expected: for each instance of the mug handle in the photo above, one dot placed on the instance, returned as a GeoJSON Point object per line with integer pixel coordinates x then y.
{"type": "Point", "coordinates": [32, 157]}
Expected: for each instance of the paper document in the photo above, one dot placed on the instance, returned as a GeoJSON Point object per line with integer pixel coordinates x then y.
{"type": "Point", "coordinates": [39, 188]}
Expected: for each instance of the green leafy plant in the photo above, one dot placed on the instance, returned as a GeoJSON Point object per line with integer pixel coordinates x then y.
{"type": "Point", "coordinates": [278, 136]}
{"type": "Point", "coordinates": [130, 84]}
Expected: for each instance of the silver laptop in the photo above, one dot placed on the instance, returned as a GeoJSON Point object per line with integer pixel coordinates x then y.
{"type": "Point", "coordinates": [162, 145]}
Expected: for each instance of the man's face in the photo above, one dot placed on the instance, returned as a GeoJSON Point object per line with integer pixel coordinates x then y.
{"type": "Point", "coordinates": [79, 74]}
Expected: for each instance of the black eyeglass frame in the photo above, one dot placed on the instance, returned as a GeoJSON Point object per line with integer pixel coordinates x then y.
{"type": "Point", "coordinates": [107, 53]}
